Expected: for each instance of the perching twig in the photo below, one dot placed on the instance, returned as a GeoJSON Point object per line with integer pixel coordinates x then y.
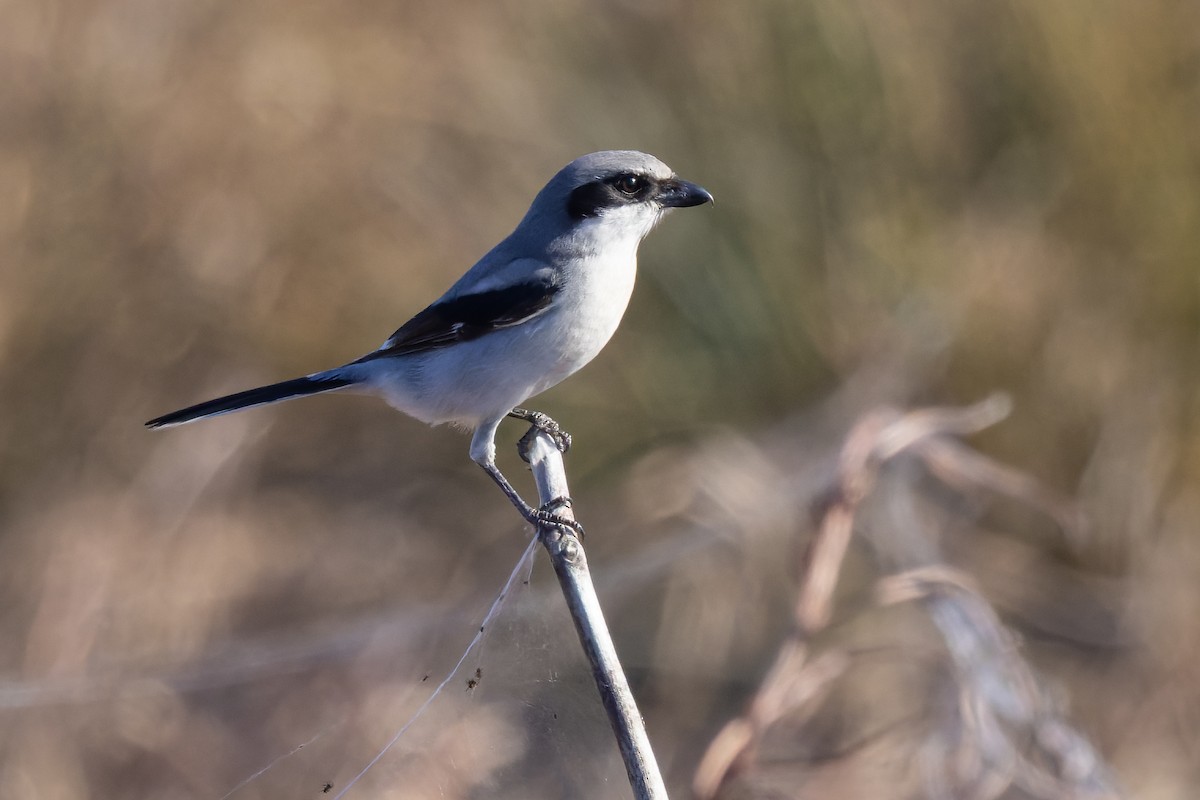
{"type": "Point", "coordinates": [570, 564]}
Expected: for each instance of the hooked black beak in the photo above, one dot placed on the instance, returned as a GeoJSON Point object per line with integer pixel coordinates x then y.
{"type": "Point", "coordinates": [678, 193]}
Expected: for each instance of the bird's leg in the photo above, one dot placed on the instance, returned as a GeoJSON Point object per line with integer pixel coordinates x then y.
{"type": "Point", "coordinates": [483, 453]}
{"type": "Point", "coordinates": [535, 516]}
{"type": "Point", "coordinates": [540, 422]}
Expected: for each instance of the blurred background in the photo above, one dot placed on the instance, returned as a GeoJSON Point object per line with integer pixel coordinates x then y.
{"type": "Point", "coordinates": [917, 203]}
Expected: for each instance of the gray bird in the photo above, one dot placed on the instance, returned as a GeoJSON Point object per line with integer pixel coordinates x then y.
{"type": "Point", "coordinates": [536, 308]}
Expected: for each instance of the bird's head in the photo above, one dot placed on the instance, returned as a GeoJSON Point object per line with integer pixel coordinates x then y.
{"type": "Point", "coordinates": [611, 195]}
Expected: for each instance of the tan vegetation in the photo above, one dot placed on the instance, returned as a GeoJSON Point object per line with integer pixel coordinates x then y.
{"type": "Point", "coordinates": [918, 204]}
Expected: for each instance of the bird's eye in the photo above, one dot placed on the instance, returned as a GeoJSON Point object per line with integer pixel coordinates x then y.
{"type": "Point", "coordinates": [630, 184]}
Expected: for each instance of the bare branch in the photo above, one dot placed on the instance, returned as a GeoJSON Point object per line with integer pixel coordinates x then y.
{"type": "Point", "coordinates": [570, 565]}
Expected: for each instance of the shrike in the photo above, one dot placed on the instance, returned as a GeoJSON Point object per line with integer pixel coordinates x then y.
{"type": "Point", "coordinates": [535, 309]}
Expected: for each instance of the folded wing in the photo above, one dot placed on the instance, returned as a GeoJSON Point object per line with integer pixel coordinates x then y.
{"type": "Point", "coordinates": [468, 316]}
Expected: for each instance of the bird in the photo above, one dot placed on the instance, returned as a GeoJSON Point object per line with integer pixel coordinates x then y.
{"type": "Point", "coordinates": [531, 312]}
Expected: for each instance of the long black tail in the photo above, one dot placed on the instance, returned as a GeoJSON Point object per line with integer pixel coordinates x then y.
{"type": "Point", "coordinates": [298, 387]}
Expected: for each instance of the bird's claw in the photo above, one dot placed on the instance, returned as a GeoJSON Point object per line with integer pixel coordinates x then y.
{"type": "Point", "coordinates": [561, 438]}
{"type": "Point", "coordinates": [542, 423]}
{"type": "Point", "coordinates": [546, 515]}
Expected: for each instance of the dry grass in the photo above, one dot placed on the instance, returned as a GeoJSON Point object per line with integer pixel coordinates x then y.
{"type": "Point", "coordinates": [917, 204]}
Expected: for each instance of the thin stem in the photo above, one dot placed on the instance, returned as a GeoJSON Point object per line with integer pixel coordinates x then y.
{"type": "Point", "coordinates": [570, 564]}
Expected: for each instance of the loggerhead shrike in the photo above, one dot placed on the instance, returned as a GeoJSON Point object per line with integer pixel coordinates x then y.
{"type": "Point", "coordinates": [535, 309]}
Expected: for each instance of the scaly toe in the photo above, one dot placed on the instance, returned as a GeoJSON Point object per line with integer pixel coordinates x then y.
{"type": "Point", "coordinates": [546, 517]}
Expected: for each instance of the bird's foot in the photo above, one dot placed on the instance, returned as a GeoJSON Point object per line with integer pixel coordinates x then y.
{"type": "Point", "coordinates": [546, 515]}
{"type": "Point", "coordinates": [535, 516]}
{"type": "Point", "coordinates": [539, 422]}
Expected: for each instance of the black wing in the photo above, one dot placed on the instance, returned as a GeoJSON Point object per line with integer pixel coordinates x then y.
{"type": "Point", "coordinates": [467, 317]}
